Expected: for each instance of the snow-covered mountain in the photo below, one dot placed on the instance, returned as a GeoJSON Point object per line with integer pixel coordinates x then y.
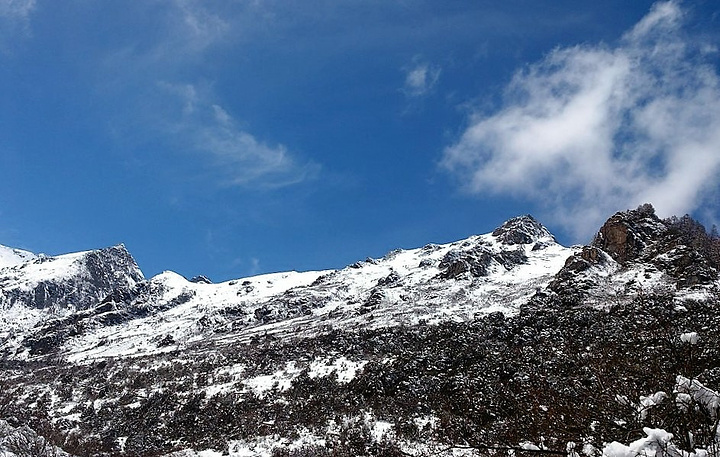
{"type": "Point", "coordinates": [502, 343]}
{"type": "Point", "coordinates": [65, 282]}
{"type": "Point", "coordinates": [494, 272]}
{"type": "Point", "coordinates": [10, 256]}
{"type": "Point", "coordinates": [97, 304]}
{"type": "Point", "coordinates": [34, 289]}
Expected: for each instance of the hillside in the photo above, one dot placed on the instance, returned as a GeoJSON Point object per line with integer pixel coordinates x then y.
{"type": "Point", "coordinates": [504, 342]}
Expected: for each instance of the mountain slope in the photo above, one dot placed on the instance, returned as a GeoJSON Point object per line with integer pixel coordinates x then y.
{"type": "Point", "coordinates": [500, 343]}
{"type": "Point", "coordinates": [10, 256]}
{"type": "Point", "coordinates": [456, 281]}
{"type": "Point", "coordinates": [34, 289]}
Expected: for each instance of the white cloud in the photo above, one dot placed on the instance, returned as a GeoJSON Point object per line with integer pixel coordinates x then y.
{"type": "Point", "coordinates": [420, 79]}
{"type": "Point", "coordinates": [16, 9]}
{"type": "Point", "coordinates": [593, 129]}
{"type": "Point", "coordinates": [14, 19]}
{"type": "Point", "coordinates": [189, 113]}
{"type": "Point", "coordinates": [238, 156]}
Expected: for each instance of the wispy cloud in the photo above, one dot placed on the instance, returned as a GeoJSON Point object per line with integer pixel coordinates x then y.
{"type": "Point", "coordinates": [194, 28]}
{"type": "Point", "coordinates": [167, 82]}
{"type": "Point", "coordinates": [238, 156]}
{"type": "Point", "coordinates": [420, 79]}
{"type": "Point", "coordinates": [16, 9]}
{"type": "Point", "coordinates": [14, 18]}
{"type": "Point", "coordinates": [592, 129]}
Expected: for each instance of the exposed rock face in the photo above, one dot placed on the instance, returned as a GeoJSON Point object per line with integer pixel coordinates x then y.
{"type": "Point", "coordinates": [521, 230]}
{"type": "Point", "coordinates": [637, 240]}
{"type": "Point", "coordinates": [473, 261]}
{"type": "Point", "coordinates": [571, 281]}
{"type": "Point", "coordinates": [480, 259]}
{"type": "Point", "coordinates": [72, 281]}
{"type": "Point", "coordinates": [627, 235]}
{"type": "Point", "coordinates": [679, 247]}
{"type": "Point", "coordinates": [121, 305]}
{"type": "Point", "coordinates": [201, 279]}
{"type": "Point", "coordinates": [585, 259]}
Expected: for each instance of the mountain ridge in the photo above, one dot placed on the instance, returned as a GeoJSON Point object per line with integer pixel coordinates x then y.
{"type": "Point", "coordinates": [404, 286]}
{"type": "Point", "coordinates": [519, 263]}
{"type": "Point", "coordinates": [500, 342]}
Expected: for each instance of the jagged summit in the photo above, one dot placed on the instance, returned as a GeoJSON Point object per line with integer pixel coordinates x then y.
{"type": "Point", "coordinates": [637, 252]}
{"type": "Point", "coordinates": [521, 230]}
{"type": "Point", "coordinates": [627, 234]}
{"type": "Point", "coordinates": [70, 281]}
{"type": "Point", "coordinates": [679, 247]}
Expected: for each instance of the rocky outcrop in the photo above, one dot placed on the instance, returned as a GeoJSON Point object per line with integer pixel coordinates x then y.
{"type": "Point", "coordinates": [575, 278]}
{"type": "Point", "coordinates": [474, 261]}
{"type": "Point", "coordinates": [479, 259]}
{"type": "Point", "coordinates": [73, 281]}
{"type": "Point", "coordinates": [627, 235]}
{"type": "Point", "coordinates": [121, 305]}
{"type": "Point", "coordinates": [638, 240]}
{"type": "Point", "coordinates": [521, 230]}
{"type": "Point", "coordinates": [679, 247]}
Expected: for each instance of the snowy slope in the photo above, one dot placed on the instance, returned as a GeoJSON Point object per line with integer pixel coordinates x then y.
{"type": "Point", "coordinates": [454, 281]}
{"type": "Point", "coordinates": [10, 257]}
{"type": "Point", "coordinates": [35, 289]}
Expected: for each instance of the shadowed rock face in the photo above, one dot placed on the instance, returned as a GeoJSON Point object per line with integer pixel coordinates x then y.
{"type": "Point", "coordinates": [627, 234]}
{"type": "Point", "coordinates": [80, 283]}
{"type": "Point", "coordinates": [680, 248]}
{"type": "Point", "coordinates": [521, 230]}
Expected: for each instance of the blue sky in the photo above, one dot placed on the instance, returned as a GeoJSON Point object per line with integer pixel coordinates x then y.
{"type": "Point", "coordinates": [230, 138]}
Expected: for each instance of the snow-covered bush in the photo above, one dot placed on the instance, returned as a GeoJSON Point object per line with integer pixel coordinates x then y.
{"type": "Point", "coordinates": [694, 413]}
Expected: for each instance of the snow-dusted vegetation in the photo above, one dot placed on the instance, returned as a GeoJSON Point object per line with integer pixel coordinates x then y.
{"type": "Point", "coordinates": [545, 377]}
{"type": "Point", "coordinates": [569, 370]}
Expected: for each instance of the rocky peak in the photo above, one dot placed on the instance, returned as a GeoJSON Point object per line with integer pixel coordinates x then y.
{"type": "Point", "coordinates": [480, 257]}
{"type": "Point", "coordinates": [201, 279]}
{"type": "Point", "coordinates": [521, 230]}
{"type": "Point", "coordinates": [637, 242]}
{"type": "Point", "coordinates": [78, 280]}
{"type": "Point", "coordinates": [627, 235]}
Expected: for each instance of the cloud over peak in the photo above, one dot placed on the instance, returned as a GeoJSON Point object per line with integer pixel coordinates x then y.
{"type": "Point", "coordinates": [590, 129]}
